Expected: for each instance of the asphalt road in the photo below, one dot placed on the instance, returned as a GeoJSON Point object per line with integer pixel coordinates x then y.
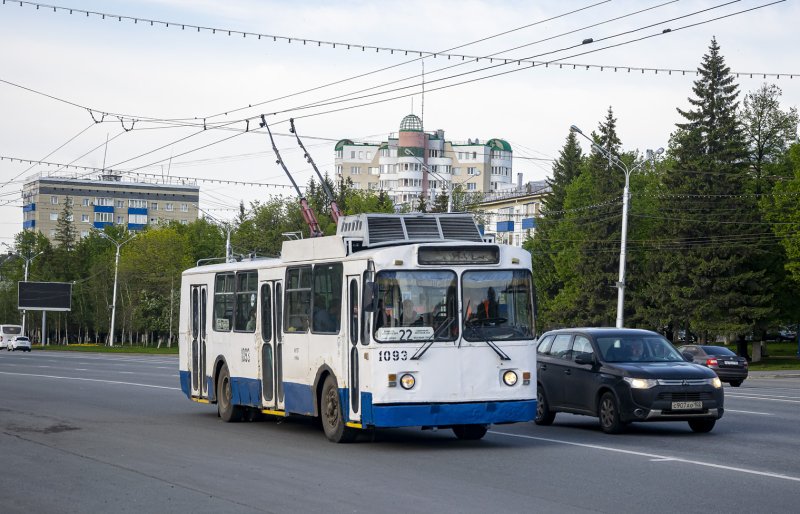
{"type": "Point", "coordinates": [112, 433]}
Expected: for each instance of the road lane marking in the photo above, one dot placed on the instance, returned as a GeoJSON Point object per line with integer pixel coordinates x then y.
{"type": "Point", "coordinates": [91, 380]}
{"type": "Point", "coordinates": [762, 398]}
{"type": "Point", "coordinates": [749, 412]}
{"type": "Point", "coordinates": [653, 456]}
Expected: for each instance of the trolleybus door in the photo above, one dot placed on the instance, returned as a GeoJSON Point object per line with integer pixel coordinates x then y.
{"type": "Point", "coordinates": [277, 316]}
{"type": "Point", "coordinates": [353, 331]}
{"type": "Point", "coordinates": [269, 351]}
{"type": "Point", "coordinates": [198, 333]}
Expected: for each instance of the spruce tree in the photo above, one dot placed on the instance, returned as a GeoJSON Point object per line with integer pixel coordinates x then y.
{"type": "Point", "coordinates": [588, 262]}
{"type": "Point", "coordinates": [709, 274]}
{"type": "Point", "coordinates": [543, 249]}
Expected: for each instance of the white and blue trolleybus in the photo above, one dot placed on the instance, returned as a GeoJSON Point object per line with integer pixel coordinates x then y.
{"type": "Point", "coordinates": [407, 320]}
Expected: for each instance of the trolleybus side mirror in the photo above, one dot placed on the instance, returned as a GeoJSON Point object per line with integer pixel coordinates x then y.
{"type": "Point", "coordinates": [370, 292]}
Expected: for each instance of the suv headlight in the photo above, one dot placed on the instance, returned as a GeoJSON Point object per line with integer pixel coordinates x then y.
{"type": "Point", "coordinates": [716, 382]}
{"type": "Point", "coordinates": [640, 383]}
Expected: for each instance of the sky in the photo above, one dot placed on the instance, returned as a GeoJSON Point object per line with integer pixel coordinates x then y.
{"type": "Point", "coordinates": [69, 82]}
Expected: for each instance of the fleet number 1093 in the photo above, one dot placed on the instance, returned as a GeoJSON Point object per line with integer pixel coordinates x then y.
{"type": "Point", "coordinates": [392, 355]}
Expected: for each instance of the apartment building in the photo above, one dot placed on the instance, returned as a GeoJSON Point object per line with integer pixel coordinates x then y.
{"type": "Point", "coordinates": [511, 216]}
{"type": "Point", "coordinates": [413, 161]}
{"type": "Point", "coordinates": [109, 200]}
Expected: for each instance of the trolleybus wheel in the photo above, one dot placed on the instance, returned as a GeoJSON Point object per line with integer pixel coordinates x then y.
{"type": "Point", "coordinates": [470, 432]}
{"type": "Point", "coordinates": [330, 413]}
{"type": "Point", "coordinates": [227, 411]}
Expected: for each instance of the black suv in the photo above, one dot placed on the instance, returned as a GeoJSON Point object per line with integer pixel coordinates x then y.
{"type": "Point", "coordinates": [623, 375]}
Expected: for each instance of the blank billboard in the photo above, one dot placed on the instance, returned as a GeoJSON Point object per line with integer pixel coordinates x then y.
{"type": "Point", "coordinates": [45, 296]}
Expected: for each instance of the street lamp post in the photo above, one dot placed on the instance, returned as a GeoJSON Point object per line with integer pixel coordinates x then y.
{"type": "Point", "coordinates": [27, 265]}
{"type": "Point", "coordinates": [114, 294]}
{"type": "Point", "coordinates": [626, 194]}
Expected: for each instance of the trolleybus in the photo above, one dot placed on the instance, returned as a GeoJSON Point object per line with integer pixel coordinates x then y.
{"type": "Point", "coordinates": [404, 320]}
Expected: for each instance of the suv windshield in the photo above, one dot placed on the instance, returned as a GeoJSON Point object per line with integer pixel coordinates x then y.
{"type": "Point", "coordinates": [497, 305]}
{"type": "Point", "coordinates": [637, 349]}
{"type": "Point", "coordinates": [415, 306]}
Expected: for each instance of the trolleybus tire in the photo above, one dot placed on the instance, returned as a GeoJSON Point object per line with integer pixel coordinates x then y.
{"type": "Point", "coordinates": [227, 411]}
{"type": "Point", "coordinates": [330, 413]}
{"type": "Point", "coordinates": [470, 432]}
{"type": "Point", "coordinates": [544, 416]}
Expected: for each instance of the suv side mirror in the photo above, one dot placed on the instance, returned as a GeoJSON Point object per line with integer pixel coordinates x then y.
{"type": "Point", "coordinates": [584, 358]}
{"type": "Point", "coordinates": [688, 356]}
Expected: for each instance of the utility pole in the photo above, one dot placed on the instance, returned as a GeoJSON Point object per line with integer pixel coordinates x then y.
{"type": "Point", "coordinates": [626, 196]}
{"type": "Point", "coordinates": [114, 294]}
{"type": "Point", "coordinates": [28, 261]}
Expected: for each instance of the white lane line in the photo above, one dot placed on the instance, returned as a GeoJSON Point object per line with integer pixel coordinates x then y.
{"type": "Point", "coordinates": [80, 369]}
{"type": "Point", "coordinates": [126, 372]}
{"type": "Point", "coordinates": [91, 380]}
{"type": "Point", "coordinates": [749, 412]}
{"type": "Point", "coordinates": [743, 394]}
{"type": "Point", "coordinates": [654, 457]}
{"type": "Point", "coordinates": [762, 398]}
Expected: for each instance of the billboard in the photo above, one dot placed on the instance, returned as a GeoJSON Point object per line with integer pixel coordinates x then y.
{"type": "Point", "coordinates": [45, 296]}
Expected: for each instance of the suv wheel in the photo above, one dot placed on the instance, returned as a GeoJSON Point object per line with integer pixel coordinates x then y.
{"type": "Point", "coordinates": [544, 416]}
{"type": "Point", "coordinates": [608, 412]}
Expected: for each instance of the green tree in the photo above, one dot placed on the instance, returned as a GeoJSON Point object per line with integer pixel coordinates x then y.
{"type": "Point", "coordinates": [542, 245]}
{"type": "Point", "coordinates": [768, 129]}
{"type": "Point", "coordinates": [709, 277]}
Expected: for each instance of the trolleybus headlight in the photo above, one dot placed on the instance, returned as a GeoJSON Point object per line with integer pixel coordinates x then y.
{"type": "Point", "coordinates": [407, 381]}
{"type": "Point", "coordinates": [509, 378]}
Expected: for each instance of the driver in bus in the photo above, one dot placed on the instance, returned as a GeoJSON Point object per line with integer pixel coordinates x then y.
{"type": "Point", "coordinates": [409, 316]}
{"type": "Point", "coordinates": [488, 307]}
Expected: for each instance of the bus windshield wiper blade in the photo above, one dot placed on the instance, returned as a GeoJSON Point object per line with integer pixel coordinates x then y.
{"type": "Point", "coordinates": [428, 343]}
{"type": "Point", "coordinates": [497, 350]}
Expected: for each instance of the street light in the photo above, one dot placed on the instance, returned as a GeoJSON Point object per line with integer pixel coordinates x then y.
{"type": "Point", "coordinates": [625, 201]}
{"type": "Point", "coordinates": [449, 183]}
{"type": "Point", "coordinates": [116, 269]}
{"type": "Point", "coordinates": [27, 263]}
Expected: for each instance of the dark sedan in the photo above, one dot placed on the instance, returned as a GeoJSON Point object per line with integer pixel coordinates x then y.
{"type": "Point", "coordinates": [622, 376]}
{"type": "Point", "coordinates": [728, 366]}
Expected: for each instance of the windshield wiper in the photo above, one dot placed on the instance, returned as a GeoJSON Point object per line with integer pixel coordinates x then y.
{"type": "Point", "coordinates": [428, 343]}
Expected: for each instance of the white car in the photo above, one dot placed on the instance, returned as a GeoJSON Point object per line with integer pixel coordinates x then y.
{"type": "Point", "coordinates": [19, 343]}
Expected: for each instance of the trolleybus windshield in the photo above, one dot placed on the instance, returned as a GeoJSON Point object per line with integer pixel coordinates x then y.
{"type": "Point", "coordinates": [497, 305]}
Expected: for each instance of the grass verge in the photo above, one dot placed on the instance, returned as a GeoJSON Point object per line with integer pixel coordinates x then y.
{"type": "Point", "coordinates": [96, 348]}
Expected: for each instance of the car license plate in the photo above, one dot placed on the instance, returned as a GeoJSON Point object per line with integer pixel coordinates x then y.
{"type": "Point", "coordinates": [731, 363]}
{"type": "Point", "coordinates": [686, 405]}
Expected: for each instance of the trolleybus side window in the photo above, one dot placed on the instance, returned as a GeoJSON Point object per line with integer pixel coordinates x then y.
{"type": "Point", "coordinates": [246, 289]}
{"type": "Point", "coordinates": [278, 312]}
{"type": "Point", "coordinates": [327, 299]}
{"type": "Point", "coordinates": [298, 299]}
{"type": "Point", "coordinates": [223, 302]}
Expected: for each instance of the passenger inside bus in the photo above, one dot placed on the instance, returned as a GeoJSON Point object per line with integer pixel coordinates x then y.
{"type": "Point", "coordinates": [409, 316]}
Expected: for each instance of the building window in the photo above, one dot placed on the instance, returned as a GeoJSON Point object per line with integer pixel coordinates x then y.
{"type": "Point", "coordinates": [71, 218]}
{"type": "Point", "coordinates": [169, 207]}
{"type": "Point", "coordinates": [85, 218]}
{"type": "Point", "coordinates": [355, 170]}
{"type": "Point", "coordinates": [120, 204]}
{"type": "Point", "coordinates": [86, 202]}
{"type": "Point", "coordinates": [137, 204]}
{"type": "Point", "coordinates": [369, 155]}
{"type": "Point", "coordinates": [184, 222]}
{"type": "Point", "coordinates": [339, 170]}
{"type": "Point", "coordinates": [154, 206]}
{"type": "Point", "coordinates": [472, 187]}
{"type": "Point", "coordinates": [54, 200]}
{"type": "Point", "coordinates": [471, 171]}
{"type": "Point", "coordinates": [137, 219]}
{"type": "Point", "coordinates": [339, 153]}
{"type": "Point", "coordinates": [104, 217]}
{"type": "Point", "coordinates": [184, 207]}
{"type": "Point", "coordinates": [352, 154]}
{"type": "Point", "coordinates": [120, 220]}
{"type": "Point", "coordinates": [105, 202]}
{"type": "Point", "coordinates": [53, 216]}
